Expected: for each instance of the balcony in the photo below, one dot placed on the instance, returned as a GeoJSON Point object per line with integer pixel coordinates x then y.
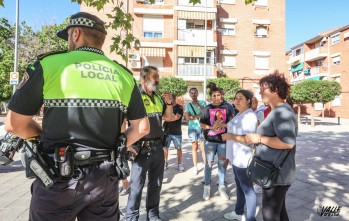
{"type": "Point", "coordinates": [315, 54]}
{"type": "Point", "coordinates": [196, 70]}
{"type": "Point", "coordinates": [202, 4]}
{"type": "Point", "coordinates": [298, 58]}
{"type": "Point", "coordinates": [317, 71]}
{"type": "Point", "coordinates": [195, 37]}
{"type": "Point", "coordinates": [144, 7]}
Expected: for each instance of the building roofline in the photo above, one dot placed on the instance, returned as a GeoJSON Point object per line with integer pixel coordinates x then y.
{"type": "Point", "coordinates": [321, 35]}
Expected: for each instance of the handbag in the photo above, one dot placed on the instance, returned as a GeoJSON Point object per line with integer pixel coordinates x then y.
{"type": "Point", "coordinates": [264, 173]}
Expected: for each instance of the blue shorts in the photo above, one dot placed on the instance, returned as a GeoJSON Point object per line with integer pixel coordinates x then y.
{"type": "Point", "coordinates": [195, 135]}
{"type": "Point", "coordinates": [176, 139]}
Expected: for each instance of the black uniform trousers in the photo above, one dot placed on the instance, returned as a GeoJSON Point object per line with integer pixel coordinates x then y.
{"type": "Point", "coordinates": [154, 165]}
{"type": "Point", "coordinates": [91, 196]}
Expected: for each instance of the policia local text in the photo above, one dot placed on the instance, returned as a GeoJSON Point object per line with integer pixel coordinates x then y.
{"type": "Point", "coordinates": [96, 71]}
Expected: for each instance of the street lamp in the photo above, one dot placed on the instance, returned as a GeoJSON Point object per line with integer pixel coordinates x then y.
{"type": "Point", "coordinates": [205, 51]}
{"type": "Point", "coordinates": [16, 45]}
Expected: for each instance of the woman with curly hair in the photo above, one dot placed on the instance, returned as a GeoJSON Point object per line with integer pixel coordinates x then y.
{"type": "Point", "coordinates": [275, 136]}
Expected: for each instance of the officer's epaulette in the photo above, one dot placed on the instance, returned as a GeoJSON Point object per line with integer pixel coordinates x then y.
{"type": "Point", "coordinates": [128, 70]}
{"type": "Point", "coordinates": [41, 56]}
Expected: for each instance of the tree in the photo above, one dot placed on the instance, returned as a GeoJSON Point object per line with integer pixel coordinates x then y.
{"type": "Point", "coordinates": [230, 86]}
{"type": "Point", "coordinates": [311, 91]}
{"type": "Point", "coordinates": [173, 85]}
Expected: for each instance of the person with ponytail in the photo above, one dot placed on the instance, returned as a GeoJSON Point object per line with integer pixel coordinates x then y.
{"type": "Point", "coordinates": [213, 121]}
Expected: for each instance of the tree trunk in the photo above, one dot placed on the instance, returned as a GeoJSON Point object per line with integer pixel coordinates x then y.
{"type": "Point", "coordinates": [299, 113]}
{"type": "Point", "coordinates": [312, 115]}
{"type": "Point", "coordinates": [323, 110]}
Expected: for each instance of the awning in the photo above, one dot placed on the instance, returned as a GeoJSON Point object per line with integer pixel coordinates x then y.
{"type": "Point", "coordinates": [297, 67]}
{"type": "Point", "coordinates": [192, 51]}
{"type": "Point", "coordinates": [314, 78]}
{"type": "Point", "coordinates": [152, 52]}
{"type": "Point", "coordinates": [196, 15]}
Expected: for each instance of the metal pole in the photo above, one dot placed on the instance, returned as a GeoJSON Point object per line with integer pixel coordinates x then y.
{"type": "Point", "coordinates": [127, 8]}
{"type": "Point", "coordinates": [15, 65]}
{"type": "Point", "coordinates": [205, 57]}
{"type": "Point", "coordinates": [328, 71]}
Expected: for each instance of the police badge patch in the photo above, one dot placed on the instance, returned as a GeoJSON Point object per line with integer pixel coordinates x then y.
{"type": "Point", "coordinates": [24, 80]}
{"type": "Point", "coordinates": [146, 102]}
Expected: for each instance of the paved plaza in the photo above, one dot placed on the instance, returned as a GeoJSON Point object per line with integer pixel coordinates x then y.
{"type": "Point", "coordinates": [322, 180]}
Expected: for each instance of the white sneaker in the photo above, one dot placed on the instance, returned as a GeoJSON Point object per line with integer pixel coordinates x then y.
{"type": "Point", "coordinates": [166, 165]}
{"type": "Point", "coordinates": [257, 189]}
{"type": "Point", "coordinates": [195, 171]}
{"type": "Point", "coordinates": [223, 193]}
{"type": "Point", "coordinates": [232, 216]}
{"type": "Point", "coordinates": [180, 168]}
{"type": "Point", "coordinates": [207, 192]}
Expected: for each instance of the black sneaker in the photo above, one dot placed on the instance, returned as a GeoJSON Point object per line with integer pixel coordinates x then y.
{"type": "Point", "coordinates": [166, 165]}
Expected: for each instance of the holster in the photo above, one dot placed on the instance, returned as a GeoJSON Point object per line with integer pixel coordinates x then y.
{"type": "Point", "coordinates": [64, 161]}
{"type": "Point", "coordinates": [40, 164]}
{"type": "Point", "coordinates": [121, 163]}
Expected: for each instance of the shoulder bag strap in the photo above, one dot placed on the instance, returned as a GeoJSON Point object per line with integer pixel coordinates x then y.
{"type": "Point", "coordinates": [193, 109]}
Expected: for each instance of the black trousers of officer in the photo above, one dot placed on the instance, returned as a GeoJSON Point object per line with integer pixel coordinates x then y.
{"type": "Point", "coordinates": [91, 196]}
{"type": "Point", "coordinates": [154, 165]}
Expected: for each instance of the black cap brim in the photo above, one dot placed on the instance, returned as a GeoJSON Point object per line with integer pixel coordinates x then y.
{"type": "Point", "coordinates": [63, 34]}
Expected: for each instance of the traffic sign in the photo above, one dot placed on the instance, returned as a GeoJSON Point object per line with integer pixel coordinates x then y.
{"type": "Point", "coordinates": [14, 78]}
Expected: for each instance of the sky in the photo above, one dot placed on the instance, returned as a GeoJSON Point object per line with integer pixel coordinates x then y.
{"type": "Point", "coordinates": [305, 19]}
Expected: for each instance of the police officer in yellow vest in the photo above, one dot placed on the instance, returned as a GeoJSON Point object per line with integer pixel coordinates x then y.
{"type": "Point", "coordinates": [86, 97]}
{"type": "Point", "coordinates": [151, 157]}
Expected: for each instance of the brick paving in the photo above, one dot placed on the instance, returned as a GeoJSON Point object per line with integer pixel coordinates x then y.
{"type": "Point", "coordinates": [322, 180]}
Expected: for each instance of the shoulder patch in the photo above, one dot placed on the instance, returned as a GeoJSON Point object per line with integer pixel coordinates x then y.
{"type": "Point", "coordinates": [41, 56]}
{"type": "Point", "coordinates": [24, 80]}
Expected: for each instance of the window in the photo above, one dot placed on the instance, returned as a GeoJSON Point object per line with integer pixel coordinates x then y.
{"type": "Point", "coordinates": [193, 60]}
{"type": "Point", "coordinates": [261, 31]}
{"type": "Point", "coordinates": [195, 24]}
{"type": "Point", "coordinates": [228, 29]}
{"type": "Point", "coordinates": [261, 3]}
{"type": "Point", "coordinates": [336, 60]}
{"type": "Point", "coordinates": [319, 63]}
{"type": "Point", "coordinates": [261, 62]}
{"type": "Point", "coordinates": [153, 26]}
{"type": "Point", "coordinates": [148, 34]}
{"type": "Point", "coordinates": [297, 51]}
{"type": "Point", "coordinates": [229, 61]}
{"type": "Point", "coordinates": [336, 39]}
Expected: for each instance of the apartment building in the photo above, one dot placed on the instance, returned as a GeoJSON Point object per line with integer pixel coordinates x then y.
{"type": "Point", "coordinates": [241, 41]}
{"type": "Point", "coordinates": [323, 57]}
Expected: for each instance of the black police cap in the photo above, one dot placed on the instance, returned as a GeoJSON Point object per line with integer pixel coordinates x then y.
{"type": "Point", "coordinates": [85, 20]}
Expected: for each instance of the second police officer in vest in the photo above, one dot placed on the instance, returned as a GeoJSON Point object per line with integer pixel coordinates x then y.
{"type": "Point", "coordinates": [86, 97]}
{"type": "Point", "coordinates": [151, 158]}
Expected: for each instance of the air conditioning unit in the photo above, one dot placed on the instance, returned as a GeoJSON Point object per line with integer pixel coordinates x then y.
{"type": "Point", "coordinates": [135, 64]}
{"type": "Point", "coordinates": [134, 57]}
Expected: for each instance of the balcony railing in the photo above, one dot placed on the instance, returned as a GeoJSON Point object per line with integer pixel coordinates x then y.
{"type": "Point", "coordinates": [194, 69]}
{"type": "Point", "coordinates": [315, 54]}
{"type": "Point", "coordinates": [299, 58]}
{"type": "Point", "coordinates": [202, 4]}
{"type": "Point", "coordinates": [195, 35]}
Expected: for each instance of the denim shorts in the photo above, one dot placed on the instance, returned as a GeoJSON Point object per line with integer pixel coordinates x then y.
{"type": "Point", "coordinates": [176, 139]}
{"type": "Point", "coordinates": [195, 135]}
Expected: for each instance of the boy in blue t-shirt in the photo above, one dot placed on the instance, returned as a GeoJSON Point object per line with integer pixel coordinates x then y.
{"type": "Point", "coordinates": [192, 113]}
